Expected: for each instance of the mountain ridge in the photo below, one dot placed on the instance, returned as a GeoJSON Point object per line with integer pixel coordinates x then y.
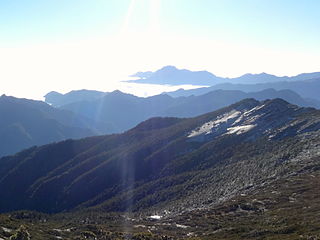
{"type": "Point", "coordinates": [113, 112]}
{"type": "Point", "coordinates": [307, 89]}
{"type": "Point", "coordinates": [146, 168]}
{"type": "Point", "coordinates": [25, 123]}
{"type": "Point", "coordinates": [174, 76]}
{"type": "Point", "coordinates": [116, 107]}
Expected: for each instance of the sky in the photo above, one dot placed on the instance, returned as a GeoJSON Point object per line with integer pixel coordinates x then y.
{"type": "Point", "coordinates": [63, 45]}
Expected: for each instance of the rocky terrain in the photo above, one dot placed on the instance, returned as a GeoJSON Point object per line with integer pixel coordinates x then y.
{"type": "Point", "coordinates": [287, 208]}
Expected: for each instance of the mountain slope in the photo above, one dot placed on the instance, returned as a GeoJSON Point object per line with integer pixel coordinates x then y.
{"type": "Point", "coordinates": [196, 105]}
{"type": "Point", "coordinates": [287, 208]}
{"type": "Point", "coordinates": [166, 163]}
{"type": "Point", "coordinates": [124, 111]}
{"type": "Point", "coordinates": [25, 123]}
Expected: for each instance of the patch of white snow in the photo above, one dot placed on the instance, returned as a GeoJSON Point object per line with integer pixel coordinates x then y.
{"type": "Point", "coordinates": [181, 226]}
{"type": "Point", "coordinates": [227, 116]}
{"type": "Point", "coordinates": [253, 109]}
{"type": "Point", "coordinates": [155, 217]}
{"type": "Point", "coordinates": [8, 230]}
{"type": "Point", "coordinates": [240, 129]}
{"type": "Point", "coordinates": [209, 126]}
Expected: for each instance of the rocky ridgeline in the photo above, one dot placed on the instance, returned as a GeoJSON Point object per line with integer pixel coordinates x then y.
{"type": "Point", "coordinates": [273, 118]}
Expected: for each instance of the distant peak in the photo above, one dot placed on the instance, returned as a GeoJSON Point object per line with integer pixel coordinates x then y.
{"type": "Point", "coordinates": [256, 74]}
{"type": "Point", "coordinates": [246, 104]}
{"type": "Point", "coordinates": [169, 67]}
{"type": "Point", "coordinates": [3, 96]}
{"type": "Point", "coordinates": [277, 105]}
{"type": "Point", "coordinates": [276, 101]}
{"type": "Point", "coordinates": [53, 93]}
{"type": "Point", "coordinates": [117, 92]}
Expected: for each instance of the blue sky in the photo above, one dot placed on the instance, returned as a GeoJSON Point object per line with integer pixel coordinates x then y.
{"type": "Point", "coordinates": [72, 44]}
{"type": "Point", "coordinates": [272, 22]}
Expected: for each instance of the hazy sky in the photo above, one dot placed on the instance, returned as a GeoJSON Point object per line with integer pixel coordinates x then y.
{"type": "Point", "coordinates": [73, 44]}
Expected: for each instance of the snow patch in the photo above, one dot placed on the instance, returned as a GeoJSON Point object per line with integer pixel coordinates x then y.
{"type": "Point", "coordinates": [233, 122]}
{"type": "Point", "coordinates": [181, 226]}
{"type": "Point", "coordinates": [62, 230]}
{"type": "Point", "coordinates": [240, 129]}
{"type": "Point", "coordinates": [139, 226]}
{"type": "Point", "coordinates": [209, 126]}
{"type": "Point", "coordinates": [254, 109]}
{"type": "Point", "coordinates": [155, 217]}
{"type": "Point", "coordinates": [227, 116]}
{"type": "Point", "coordinates": [8, 230]}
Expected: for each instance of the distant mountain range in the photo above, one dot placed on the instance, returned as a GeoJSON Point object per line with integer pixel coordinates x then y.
{"type": "Point", "coordinates": [83, 113]}
{"type": "Point", "coordinates": [308, 89]}
{"type": "Point", "coordinates": [124, 111]}
{"type": "Point", "coordinates": [57, 99]}
{"type": "Point", "coordinates": [25, 123]}
{"type": "Point", "coordinates": [172, 76]}
{"type": "Point", "coordinates": [167, 165]}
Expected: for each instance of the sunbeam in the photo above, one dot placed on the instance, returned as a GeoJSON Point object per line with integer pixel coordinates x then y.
{"type": "Point", "coordinates": [128, 17]}
{"type": "Point", "coordinates": [154, 16]}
